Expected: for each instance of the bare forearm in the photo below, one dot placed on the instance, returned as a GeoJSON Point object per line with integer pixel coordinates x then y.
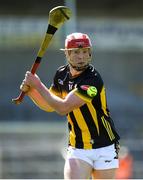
{"type": "Point", "coordinates": [58, 104]}
{"type": "Point", "coordinates": [39, 100]}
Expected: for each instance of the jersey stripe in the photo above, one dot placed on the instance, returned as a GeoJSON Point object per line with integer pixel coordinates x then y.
{"type": "Point", "coordinates": [89, 121]}
{"type": "Point", "coordinates": [78, 135]}
{"type": "Point", "coordinates": [86, 137]}
{"type": "Point", "coordinates": [72, 133]}
{"type": "Point", "coordinates": [94, 115]}
{"type": "Point", "coordinates": [103, 101]}
{"type": "Point", "coordinates": [108, 128]}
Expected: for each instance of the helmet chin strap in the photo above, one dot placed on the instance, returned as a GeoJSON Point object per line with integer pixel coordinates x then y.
{"type": "Point", "coordinates": [82, 68]}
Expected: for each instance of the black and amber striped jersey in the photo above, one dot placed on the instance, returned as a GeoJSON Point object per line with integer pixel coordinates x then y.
{"type": "Point", "coordinates": [90, 126]}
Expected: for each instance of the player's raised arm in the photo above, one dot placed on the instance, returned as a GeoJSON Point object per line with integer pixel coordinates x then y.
{"type": "Point", "coordinates": [46, 100]}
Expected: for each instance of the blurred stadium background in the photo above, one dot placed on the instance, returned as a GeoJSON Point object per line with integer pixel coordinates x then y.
{"type": "Point", "coordinates": [32, 142]}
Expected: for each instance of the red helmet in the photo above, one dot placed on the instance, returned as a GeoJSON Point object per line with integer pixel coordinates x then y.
{"type": "Point", "coordinates": [77, 40]}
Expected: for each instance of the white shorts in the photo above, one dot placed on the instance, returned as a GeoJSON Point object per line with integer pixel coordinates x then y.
{"type": "Point", "coordinates": [99, 159]}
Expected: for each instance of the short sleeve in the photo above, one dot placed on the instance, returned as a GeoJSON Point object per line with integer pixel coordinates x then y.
{"type": "Point", "coordinates": [90, 87]}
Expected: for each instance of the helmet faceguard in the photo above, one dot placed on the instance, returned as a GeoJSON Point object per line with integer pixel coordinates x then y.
{"type": "Point", "coordinates": [79, 66]}
{"type": "Point", "coordinates": [78, 41]}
